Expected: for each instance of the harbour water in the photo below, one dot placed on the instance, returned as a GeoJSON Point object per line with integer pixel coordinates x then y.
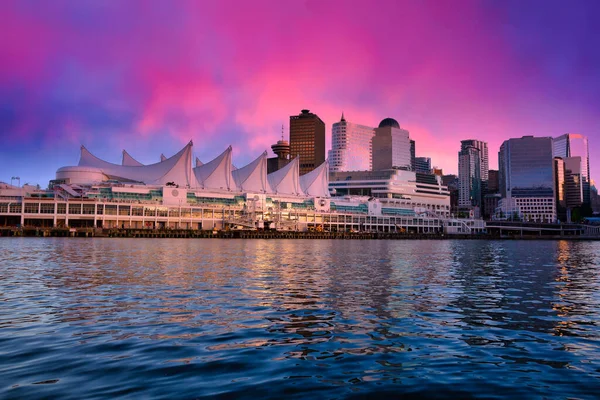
{"type": "Point", "coordinates": [177, 318]}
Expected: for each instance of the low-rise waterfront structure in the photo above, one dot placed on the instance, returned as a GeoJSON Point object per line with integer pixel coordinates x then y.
{"type": "Point", "coordinates": [213, 195]}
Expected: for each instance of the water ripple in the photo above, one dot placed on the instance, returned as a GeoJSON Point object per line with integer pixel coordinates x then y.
{"type": "Point", "coordinates": [98, 318]}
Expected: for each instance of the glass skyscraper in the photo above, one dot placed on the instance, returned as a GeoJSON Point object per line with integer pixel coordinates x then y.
{"type": "Point", "coordinates": [351, 147]}
{"type": "Point", "coordinates": [526, 177]}
{"type": "Point", "coordinates": [484, 164]}
{"type": "Point", "coordinates": [575, 145]}
{"type": "Point", "coordinates": [469, 177]}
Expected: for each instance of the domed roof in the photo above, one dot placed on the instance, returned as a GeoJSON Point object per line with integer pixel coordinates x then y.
{"type": "Point", "coordinates": [389, 122]}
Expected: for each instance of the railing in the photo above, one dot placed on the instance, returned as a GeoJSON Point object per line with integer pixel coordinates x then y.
{"type": "Point", "coordinates": [591, 230]}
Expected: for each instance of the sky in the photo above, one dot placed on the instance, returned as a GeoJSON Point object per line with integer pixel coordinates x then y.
{"type": "Point", "coordinates": [149, 76]}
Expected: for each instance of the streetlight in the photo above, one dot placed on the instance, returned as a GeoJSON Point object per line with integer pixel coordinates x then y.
{"type": "Point", "coordinates": [15, 178]}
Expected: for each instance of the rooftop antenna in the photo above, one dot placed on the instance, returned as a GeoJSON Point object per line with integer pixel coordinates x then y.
{"type": "Point", "coordinates": [282, 132]}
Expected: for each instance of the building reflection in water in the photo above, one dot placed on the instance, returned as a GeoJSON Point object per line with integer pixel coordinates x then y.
{"type": "Point", "coordinates": [320, 300]}
{"type": "Point", "coordinates": [577, 287]}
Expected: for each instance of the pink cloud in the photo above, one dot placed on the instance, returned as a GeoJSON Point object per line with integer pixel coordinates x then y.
{"type": "Point", "coordinates": [231, 72]}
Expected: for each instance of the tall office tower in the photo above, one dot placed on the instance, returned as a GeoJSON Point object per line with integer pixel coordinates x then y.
{"type": "Point", "coordinates": [391, 146]}
{"type": "Point", "coordinates": [307, 140]}
{"type": "Point", "coordinates": [483, 155]}
{"type": "Point", "coordinates": [422, 165]}
{"type": "Point", "coordinates": [576, 145]}
{"type": "Point", "coordinates": [469, 176]}
{"type": "Point", "coordinates": [351, 147]}
{"type": "Point", "coordinates": [526, 177]}
{"type": "Point", "coordinates": [412, 153]}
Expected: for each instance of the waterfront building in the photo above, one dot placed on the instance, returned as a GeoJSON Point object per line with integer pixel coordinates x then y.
{"type": "Point", "coordinates": [391, 146]}
{"type": "Point", "coordinates": [351, 147]}
{"type": "Point", "coordinates": [307, 140]}
{"type": "Point", "coordinates": [469, 175]}
{"type": "Point", "coordinates": [575, 145]}
{"type": "Point", "coordinates": [172, 194]}
{"type": "Point", "coordinates": [403, 190]}
{"type": "Point", "coordinates": [491, 202]}
{"type": "Point", "coordinates": [422, 165]}
{"type": "Point", "coordinates": [526, 179]}
{"type": "Point", "coordinates": [281, 149]}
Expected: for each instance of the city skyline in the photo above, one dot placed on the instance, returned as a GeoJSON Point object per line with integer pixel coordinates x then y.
{"type": "Point", "coordinates": [82, 73]}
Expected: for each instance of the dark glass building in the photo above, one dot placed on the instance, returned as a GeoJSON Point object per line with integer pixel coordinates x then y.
{"type": "Point", "coordinates": [422, 165]}
{"type": "Point", "coordinates": [526, 178]}
{"type": "Point", "coordinates": [576, 145]}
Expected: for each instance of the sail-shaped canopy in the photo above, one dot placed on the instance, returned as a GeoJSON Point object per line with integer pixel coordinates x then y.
{"type": "Point", "coordinates": [316, 182]}
{"type": "Point", "coordinates": [162, 157]}
{"type": "Point", "coordinates": [287, 179]}
{"type": "Point", "coordinates": [130, 161]}
{"type": "Point", "coordinates": [216, 174]}
{"type": "Point", "coordinates": [252, 177]}
{"type": "Point", "coordinates": [198, 162]}
{"type": "Point", "coordinates": [176, 169]}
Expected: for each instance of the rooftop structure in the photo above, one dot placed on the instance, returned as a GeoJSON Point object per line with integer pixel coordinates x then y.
{"type": "Point", "coordinates": [281, 149]}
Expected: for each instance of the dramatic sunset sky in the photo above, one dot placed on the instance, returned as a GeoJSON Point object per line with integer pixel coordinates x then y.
{"type": "Point", "coordinates": [148, 76]}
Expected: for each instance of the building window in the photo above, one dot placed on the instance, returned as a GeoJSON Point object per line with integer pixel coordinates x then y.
{"type": "Point", "coordinates": [47, 208]}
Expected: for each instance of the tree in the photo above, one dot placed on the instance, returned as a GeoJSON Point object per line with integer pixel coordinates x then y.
{"type": "Point", "coordinates": [576, 215]}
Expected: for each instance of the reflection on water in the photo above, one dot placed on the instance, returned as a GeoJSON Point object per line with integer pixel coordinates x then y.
{"type": "Point", "coordinates": [192, 318]}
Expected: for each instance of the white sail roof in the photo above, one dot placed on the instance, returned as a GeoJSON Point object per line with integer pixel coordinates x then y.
{"type": "Point", "coordinates": [287, 179]}
{"type": "Point", "coordinates": [130, 161]}
{"type": "Point", "coordinates": [316, 182]}
{"type": "Point", "coordinates": [252, 177]}
{"type": "Point", "coordinates": [175, 169]}
{"type": "Point", "coordinates": [198, 162]}
{"type": "Point", "coordinates": [162, 157]}
{"type": "Point", "coordinates": [216, 174]}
